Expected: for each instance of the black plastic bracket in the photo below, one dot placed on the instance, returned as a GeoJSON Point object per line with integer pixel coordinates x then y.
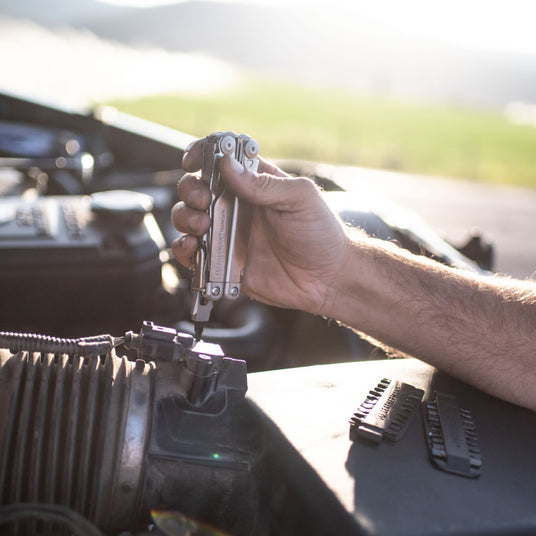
{"type": "Point", "coordinates": [386, 412]}
{"type": "Point", "coordinates": [451, 436]}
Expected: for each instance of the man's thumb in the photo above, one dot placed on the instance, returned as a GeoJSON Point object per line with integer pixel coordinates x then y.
{"type": "Point", "coordinates": [263, 189]}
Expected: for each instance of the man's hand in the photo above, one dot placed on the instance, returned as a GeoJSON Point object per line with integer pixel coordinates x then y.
{"type": "Point", "coordinates": [297, 245]}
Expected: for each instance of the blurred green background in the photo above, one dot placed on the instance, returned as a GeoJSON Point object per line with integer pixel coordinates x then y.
{"type": "Point", "coordinates": [444, 88]}
{"type": "Point", "coordinates": [344, 127]}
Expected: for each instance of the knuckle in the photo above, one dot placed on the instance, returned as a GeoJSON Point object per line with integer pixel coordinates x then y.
{"type": "Point", "coordinates": [194, 192]}
{"type": "Point", "coordinates": [191, 160]}
{"type": "Point", "coordinates": [182, 251]}
{"type": "Point", "coordinates": [305, 183]}
{"type": "Point", "coordinates": [261, 186]}
{"type": "Point", "coordinates": [198, 197]}
{"type": "Point", "coordinates": [198, 223]}
{"type": "Point", "coordinates": [263, 181]}
{"type": "Point", "coordinates": [188, 220]}
{"type": "Point", "coordinates": [304, 188]}
{"type": "Point", "coordinates": [183, 185]}
{"type": "Point", "coordinates": [176, 211]}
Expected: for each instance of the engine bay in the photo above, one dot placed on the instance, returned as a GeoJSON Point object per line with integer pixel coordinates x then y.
{"type": "Point", "coordinates": [112, 412]}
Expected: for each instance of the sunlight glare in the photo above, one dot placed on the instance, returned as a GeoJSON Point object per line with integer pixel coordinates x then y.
{"type": "Point", "coordinates": [502, 25]}
{"type": "Point", "coordinates": [506, 25]}
{"type": "Point", "coordinates": [87, 67]}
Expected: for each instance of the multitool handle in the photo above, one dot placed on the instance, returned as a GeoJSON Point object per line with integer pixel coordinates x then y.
{"type": "Point", "coordinates": [222, 253]}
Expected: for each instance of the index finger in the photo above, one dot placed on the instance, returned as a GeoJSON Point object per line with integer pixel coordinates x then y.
{"type": "Point", "coordinates": [193, 156]}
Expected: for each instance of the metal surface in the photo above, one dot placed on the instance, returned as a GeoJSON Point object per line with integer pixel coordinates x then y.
{"type": "Point", "coordinates": [221, 256]}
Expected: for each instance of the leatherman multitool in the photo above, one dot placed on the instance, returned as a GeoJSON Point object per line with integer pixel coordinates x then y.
{"type": "Point", "coordinates": [222, 251]}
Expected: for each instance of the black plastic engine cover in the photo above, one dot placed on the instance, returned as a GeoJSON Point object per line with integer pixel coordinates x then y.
{"type": "Point", "coordinates": [70, 261]}
{"type": "Point", "coordinates": [316, 481]}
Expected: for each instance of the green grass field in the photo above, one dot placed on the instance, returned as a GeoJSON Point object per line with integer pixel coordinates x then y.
{"type": "Point", "coordinates": [343, 128]}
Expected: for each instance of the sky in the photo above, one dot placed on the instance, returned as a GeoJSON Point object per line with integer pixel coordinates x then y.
{"type": "Point", "coordinates": [506, 25]}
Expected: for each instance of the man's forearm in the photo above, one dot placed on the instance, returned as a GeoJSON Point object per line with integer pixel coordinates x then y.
{"type": "Point", "coordinates": [478, 328]}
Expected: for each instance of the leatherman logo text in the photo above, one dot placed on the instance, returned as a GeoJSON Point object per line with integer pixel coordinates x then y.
{"type": "Point", "coordinates": [383, 413]}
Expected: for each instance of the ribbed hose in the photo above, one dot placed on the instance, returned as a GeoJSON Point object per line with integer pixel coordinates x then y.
{"type": "Point", "coordinates": [32, 342]}
{"type": "Point", "coordinates": [62, 433]}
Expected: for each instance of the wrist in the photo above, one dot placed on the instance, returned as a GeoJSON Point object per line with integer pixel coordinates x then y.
{"type": "Point", "coordinates": [368, 292]}
{"type": "Point", "coordinates": [344, 290]}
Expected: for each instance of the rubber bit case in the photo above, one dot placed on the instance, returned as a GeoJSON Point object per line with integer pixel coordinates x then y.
{"type": "Point", "coordinates": [386, 412]}
{"type": "Point", "coordinates": [451, 436]}
{"type": "Point", "coordinates": [221, 255]}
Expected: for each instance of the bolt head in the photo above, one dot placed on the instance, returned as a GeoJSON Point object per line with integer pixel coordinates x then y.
{"type": "Point", "coordinates": [227, 145]}
{"type": "Point", "coordinates": [251, 149]}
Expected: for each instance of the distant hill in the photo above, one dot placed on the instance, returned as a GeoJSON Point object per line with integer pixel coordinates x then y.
{"type": "Point", "coordinates": [342, 48]}
{"type": "Point", "coordinates": [58, 12]}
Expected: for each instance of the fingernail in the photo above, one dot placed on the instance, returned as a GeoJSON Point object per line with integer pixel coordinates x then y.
{"type": "Point", "coordinates": [183, 242]}
{"type": "Point", "coordinates": [236, 166]}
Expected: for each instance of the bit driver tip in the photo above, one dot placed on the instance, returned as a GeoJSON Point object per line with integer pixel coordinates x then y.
{"type": "Point", "coordinates": [198, 330]}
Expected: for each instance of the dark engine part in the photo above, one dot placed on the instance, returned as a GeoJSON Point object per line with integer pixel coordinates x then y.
{"type": "Point", "coordinates": [112, 438]}
{"type": "Point", "coordinates": [78, 253]}
{"type": "Point", "coordinates": [479, 249]}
